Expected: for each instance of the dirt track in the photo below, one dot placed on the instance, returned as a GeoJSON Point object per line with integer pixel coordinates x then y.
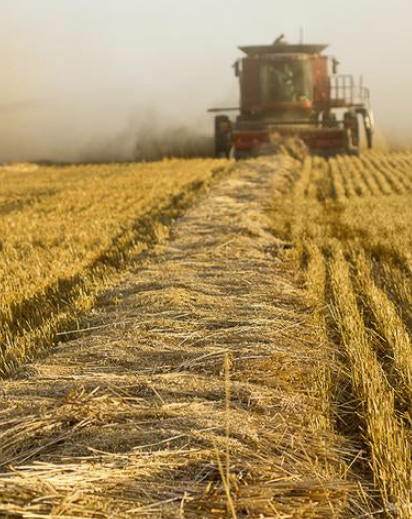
{"type": "Point", "coordinates": [199, 369]}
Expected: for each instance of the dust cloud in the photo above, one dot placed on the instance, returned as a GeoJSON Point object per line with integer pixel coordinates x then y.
{"type": "Point", "coordinates": [86, 129]}
{"type": "Point", "coordinates": [64, 99]}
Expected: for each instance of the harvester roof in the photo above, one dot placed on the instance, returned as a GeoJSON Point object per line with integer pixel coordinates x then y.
{"type": "Point", "coordinates": [281, 47]}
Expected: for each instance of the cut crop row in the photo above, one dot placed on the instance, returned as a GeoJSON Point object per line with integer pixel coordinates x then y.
{"type": "Point", "coordinates": [57, 251]}
{"type": "Point", "coordinates": [352, 238]}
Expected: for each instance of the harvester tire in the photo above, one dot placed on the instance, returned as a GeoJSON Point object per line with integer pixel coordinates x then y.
{"type": "Point", "coordinates": [223, 136]}
{"type": "Point", "coordinates": [351, 124]}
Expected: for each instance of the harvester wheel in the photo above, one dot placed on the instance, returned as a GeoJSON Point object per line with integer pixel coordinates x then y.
{"type": "Point", "coordinates": [368, 122]}
{"type": "Point", "coordinates": [351, 125]}
{"type": "Point", "coordinates": [369, 138]}
{"type": "Point", "coordinates": [329, 120]}
{"type": "Point", "coordinates": [223, 136]}
{"type": "Point", "coordinates": [369, 126]}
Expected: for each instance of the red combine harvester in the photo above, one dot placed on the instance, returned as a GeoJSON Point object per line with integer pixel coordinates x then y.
{"type": "Point", "coordinates": [287, 91]}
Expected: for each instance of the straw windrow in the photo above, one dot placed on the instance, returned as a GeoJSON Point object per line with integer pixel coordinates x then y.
{"type": "Point", "coordinates": [191, 394]}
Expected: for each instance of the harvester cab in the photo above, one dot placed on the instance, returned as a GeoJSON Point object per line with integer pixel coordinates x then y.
{"type": "Point", "coordinates": [294, 90]}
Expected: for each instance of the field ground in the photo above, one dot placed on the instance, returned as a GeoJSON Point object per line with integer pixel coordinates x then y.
{"type": "Point", "coordinates": [66, 230]}
{"type": "Point", "coordinates": [349, 222]}
{"type": "Point", "coordinates": [251, 359]}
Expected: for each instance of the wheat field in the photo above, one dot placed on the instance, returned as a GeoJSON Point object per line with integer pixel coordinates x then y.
{"type": "Point", "coordinates": [302, 268]}
{"type": "Point", "coordinates": [65, 230]}
{"type": "Point", "coordinates": [347, 223]}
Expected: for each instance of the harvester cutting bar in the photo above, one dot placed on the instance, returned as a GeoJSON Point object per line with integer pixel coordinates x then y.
{"type": "Point", "coordinates": [219, 110]}
{"type": "Point", "coordinates": [298, 123]}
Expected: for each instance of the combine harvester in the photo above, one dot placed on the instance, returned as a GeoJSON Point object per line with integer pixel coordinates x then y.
{"type": "Point", "coordinates": [288, 91]}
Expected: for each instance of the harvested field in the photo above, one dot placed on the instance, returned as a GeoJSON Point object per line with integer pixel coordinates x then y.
{"type": "Point", "coordinates": [66, 229]}
{"type": "Point", "coordinates": [254, 362]}
{"type": "Point", "coordinates": [349, 222]}
{"type": "Point", "coordinates": [192, 394]}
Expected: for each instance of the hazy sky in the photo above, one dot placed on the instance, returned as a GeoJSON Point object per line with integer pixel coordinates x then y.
{"type": "Point", "coordinates": [77, 73]}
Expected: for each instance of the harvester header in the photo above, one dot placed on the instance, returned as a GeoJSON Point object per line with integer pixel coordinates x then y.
{"type": "Point", "coordinates": [294, 90]}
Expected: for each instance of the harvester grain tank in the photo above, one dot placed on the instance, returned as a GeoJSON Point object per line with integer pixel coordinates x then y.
{"type": "Point", "coordinates": [294, 90]}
